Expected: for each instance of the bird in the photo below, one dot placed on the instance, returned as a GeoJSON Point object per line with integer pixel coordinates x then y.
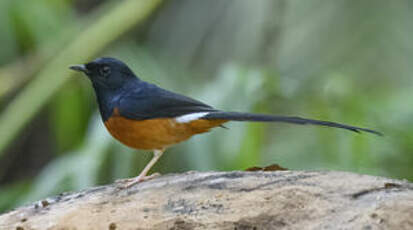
{"type": "Point", "coordinates": [144, 116]}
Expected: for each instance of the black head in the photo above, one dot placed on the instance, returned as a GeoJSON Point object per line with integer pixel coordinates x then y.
{"type": "Point", "coordinates": [106, 72]}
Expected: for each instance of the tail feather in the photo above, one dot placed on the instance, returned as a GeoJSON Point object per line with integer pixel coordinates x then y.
{"type": "Point", "coordinates": [235, 116]}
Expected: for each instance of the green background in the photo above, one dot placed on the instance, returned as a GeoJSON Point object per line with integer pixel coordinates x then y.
{"type": "Point", "coordinates": [344, 61]}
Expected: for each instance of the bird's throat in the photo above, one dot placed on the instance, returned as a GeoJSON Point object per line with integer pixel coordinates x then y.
{"type": "Point", "coordinates": [107, 100]}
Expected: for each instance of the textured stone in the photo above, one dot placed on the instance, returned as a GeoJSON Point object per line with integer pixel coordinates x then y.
{"type": "Point", "coordinates": [229, 200]}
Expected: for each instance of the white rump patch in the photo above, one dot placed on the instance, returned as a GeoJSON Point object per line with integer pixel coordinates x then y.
{"type": "Point", "coordinates": [190, 117]}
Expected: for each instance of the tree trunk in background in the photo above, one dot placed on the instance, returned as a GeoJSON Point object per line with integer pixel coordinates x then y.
{"type": "Point", "coordinates": [229, 200]}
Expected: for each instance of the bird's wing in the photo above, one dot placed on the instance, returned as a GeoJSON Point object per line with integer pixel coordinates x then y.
{"type": "Point", "coordinates": [154, 102]}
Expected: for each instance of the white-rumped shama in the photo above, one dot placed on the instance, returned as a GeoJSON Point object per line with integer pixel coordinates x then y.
{"type": "Point", "coordinates": [144, 116]}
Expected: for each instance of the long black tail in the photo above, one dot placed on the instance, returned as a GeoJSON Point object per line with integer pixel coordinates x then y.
{"type": "Point", "coordinates": [235, 116]}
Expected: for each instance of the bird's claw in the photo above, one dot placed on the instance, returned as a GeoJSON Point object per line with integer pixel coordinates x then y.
{"type": "Point", "coordinates": [129, 182]}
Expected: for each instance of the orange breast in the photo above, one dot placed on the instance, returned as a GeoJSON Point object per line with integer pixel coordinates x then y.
{"type": "Point", "coordinates": [155, 133]}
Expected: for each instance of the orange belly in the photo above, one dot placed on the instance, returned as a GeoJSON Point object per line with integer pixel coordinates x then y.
{"type": "Point", "coordinates": [156, 133]}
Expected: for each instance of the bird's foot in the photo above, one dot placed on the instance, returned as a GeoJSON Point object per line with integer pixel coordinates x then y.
{"type": "Point", "coordinates": [129, 182]}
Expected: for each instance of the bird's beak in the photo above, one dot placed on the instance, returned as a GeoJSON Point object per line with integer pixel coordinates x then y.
{"type": "Point", "coordinates": [80, 68]}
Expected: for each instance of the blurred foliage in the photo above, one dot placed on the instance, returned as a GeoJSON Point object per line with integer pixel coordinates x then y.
{"type": "Point", "coordinates": [345, 61]}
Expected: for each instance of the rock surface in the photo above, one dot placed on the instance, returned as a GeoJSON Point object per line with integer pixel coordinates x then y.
{"type": "Point", "coordinates": [229, 200]}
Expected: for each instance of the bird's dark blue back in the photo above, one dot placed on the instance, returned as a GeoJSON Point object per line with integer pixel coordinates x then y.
{"type": "Point", "coordinates": [140, 100]}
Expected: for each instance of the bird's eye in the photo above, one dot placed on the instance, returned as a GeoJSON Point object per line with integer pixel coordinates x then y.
{"type": "Point", "coordinates": [105, 71]}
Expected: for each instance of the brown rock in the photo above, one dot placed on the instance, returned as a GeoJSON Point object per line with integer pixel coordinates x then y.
{"type": "Point", "coordinates": [229, 200]}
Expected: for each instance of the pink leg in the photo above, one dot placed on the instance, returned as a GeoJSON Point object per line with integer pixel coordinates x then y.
{"type": "Point", "coordinates": [142, 176]}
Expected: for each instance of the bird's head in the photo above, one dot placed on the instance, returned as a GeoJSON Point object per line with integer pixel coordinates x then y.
{"type": "Point", "coordinates": [106, 72]}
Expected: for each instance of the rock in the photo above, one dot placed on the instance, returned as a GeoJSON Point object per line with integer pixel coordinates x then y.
{"type": "Point", "coordinates": [229, 200]}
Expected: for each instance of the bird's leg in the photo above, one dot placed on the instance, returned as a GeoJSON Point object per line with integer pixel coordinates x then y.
{"type": "Point", "coordinates": [142, 176]}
